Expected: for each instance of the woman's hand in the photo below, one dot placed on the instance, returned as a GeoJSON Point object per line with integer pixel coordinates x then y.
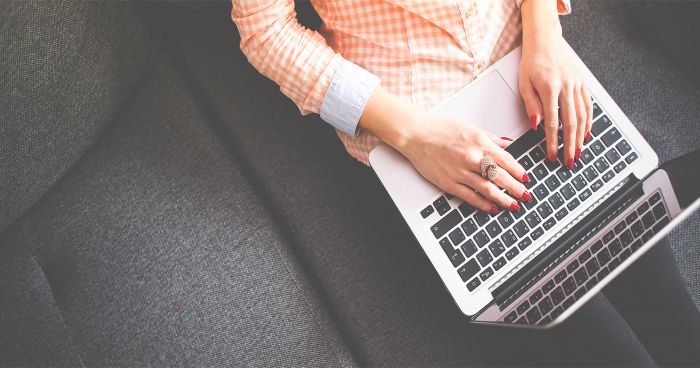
{"type": "Point", "coordinates": [447, 152]}
{"type": "Point", "coordinates": [551, 83]}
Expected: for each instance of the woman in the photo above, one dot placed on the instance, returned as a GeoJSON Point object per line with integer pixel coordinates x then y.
{"type": "Point", "coordinates": [378, 66]}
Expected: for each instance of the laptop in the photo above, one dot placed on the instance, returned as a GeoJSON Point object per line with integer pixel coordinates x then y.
{"type": "Point", "coordinates": [534, 268]}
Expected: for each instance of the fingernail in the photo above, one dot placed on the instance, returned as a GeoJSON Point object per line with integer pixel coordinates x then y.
{"type": "Point", "coordinates": [495, 210]}
{"type": "Point", "coordinates": [588, 136]}
{"type": "Point", "coordinates": [525, 179]}
{"type": "Point", "coordinates": [527, 196]}
{"type": "Point", "coordinates": [515, 206]}
{"type": "Point", "coordinates": [506, 139]}
{"type": "Point", "coordinates": [534, 119]}
{"type": "Point", "coordinates": [570, 164]}
{"type": "Point", "coordinates": [552, 158]}
{"type": "Point", "coordinates": [578, 154]}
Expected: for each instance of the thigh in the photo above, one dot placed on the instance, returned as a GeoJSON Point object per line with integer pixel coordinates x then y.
{"type": "Point", "coordinates": [654, 300]}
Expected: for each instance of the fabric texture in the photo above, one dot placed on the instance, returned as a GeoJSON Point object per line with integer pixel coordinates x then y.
{"type": "Point", "coordinates": [158, 252]}
{"type": "Point", "coordinates": [394, 40]}
{"type": "Point", "coordinates": [390, 302]}
{"type": "Point", "coordinates": [65, 72]}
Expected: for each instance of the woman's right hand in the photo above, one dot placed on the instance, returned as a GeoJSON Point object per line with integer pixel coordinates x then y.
{"type": "Point", "coordinates": [448, 153]}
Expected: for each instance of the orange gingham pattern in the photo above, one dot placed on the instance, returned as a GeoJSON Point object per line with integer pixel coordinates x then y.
{"type": "Point", "coordinates": [422, 50]}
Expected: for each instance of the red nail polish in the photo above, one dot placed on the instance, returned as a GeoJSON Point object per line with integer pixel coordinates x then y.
{"type": "Point", "coordinates": [515, 207]}
{"type": "Point", "coordinates": [588, 136]}
{"type": "Point", "coordinates": [570, 164]}
{"type": "Point", "coordinates": [525, 179]}
{"type": "Point", "coordinates": [495, 210]}
{"type": "Point", "coordinates": [534, 119]}
{"type": "Point", "coordinates": [577, 156]}
{"type": "Point", "coordinates": [527, 196]}
{"type": "Point", "coordinates": [506, 139]}
{"type": "Point", "coordinates": [552, 158]}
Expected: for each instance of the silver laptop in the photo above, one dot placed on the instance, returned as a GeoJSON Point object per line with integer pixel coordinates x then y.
{"type": "Point", "coordinates": [534, 268]}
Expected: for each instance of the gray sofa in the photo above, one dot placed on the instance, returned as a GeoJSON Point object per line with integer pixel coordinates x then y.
{"type": "Point", "coordinates": [163, 204]}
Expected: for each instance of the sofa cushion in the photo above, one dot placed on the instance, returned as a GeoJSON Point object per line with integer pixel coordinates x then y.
{"type": "Point", "coordinates": [157, 251]}
{"type": "Point", "coordinates": [65, 72]}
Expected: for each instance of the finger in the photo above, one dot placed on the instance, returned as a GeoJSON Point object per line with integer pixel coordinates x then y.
{"type": "Point", "coordinates": [502, 142]}
{"type": "Point", "coordinates": [567, 103]}
{"type": "Point", "coordinates": [589, 112]}
{"type": "Point", "coordinates": [551, 122]}
{"type": "Point", "coordinates": [532, 102]}
{"type": "Point", "coordinates": [514, 169]}
{"type": "Point", "coordinates": [513, 186]}
{"type": "Point", "coordinates": [581, 118]}
{"type": "Point", "coordinates": [490, 191]}
{"type": "Point", "coordinates": [475, 199]}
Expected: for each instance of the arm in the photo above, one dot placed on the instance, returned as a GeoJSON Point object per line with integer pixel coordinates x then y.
{"type": "Point", "coordinates": [308, 71]}
{"type": "Point", "coordinates": [551, 83]}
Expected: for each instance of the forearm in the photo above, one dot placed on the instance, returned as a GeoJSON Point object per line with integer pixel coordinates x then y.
{"type": "Point", "coordinates": [540, 20]}
{"type": "Point", "coordinates": [390, 118]}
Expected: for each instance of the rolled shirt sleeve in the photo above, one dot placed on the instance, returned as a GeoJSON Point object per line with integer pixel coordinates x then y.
{"type": "Point", "coordinates": [563, 6]}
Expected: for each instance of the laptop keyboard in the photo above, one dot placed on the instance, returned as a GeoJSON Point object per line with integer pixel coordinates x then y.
{"type": "Point", "coordinates": [583, 272]}
{"type": "Point", "coordinates": [479, 244]}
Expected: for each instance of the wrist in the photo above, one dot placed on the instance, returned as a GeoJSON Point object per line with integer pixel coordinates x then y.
{"type": "Point", "coordinates": [540, 21]}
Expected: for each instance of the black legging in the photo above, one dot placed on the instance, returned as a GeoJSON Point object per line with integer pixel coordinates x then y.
{"type": "Point", "coordinates": [645, 317]}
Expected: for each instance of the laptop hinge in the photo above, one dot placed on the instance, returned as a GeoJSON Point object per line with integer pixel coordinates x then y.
{"type": "Point", "coordinates": [540, 266]}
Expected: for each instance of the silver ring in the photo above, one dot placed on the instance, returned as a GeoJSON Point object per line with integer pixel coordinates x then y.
{"type": "Point", "coordinates": [489, 169]}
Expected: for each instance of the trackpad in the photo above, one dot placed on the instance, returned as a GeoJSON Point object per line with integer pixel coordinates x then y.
{"type": "Point", "coordinates": [488, 103]}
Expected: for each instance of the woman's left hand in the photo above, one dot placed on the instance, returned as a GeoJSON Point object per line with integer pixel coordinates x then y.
{"type": "Point", "coordinates": [552, 84]}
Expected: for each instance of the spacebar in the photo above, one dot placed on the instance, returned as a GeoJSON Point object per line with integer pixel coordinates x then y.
{"type": "Point", "coordinates": [525, 142]}
{"type": "Point", "coordinates": [446, 224]}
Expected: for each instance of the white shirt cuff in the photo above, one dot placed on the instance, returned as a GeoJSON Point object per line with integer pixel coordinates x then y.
{"type": "Point", "coordinates": [347, 96]}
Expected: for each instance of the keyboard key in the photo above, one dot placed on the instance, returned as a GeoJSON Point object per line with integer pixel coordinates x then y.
{"type": "Point", "coordinates": [497, 248]}
{"type": "Point", "coordinates": [524, 243]}
{"type": "Point", "coordinates": [620, 227]}
{"type": "Point", "coordinates": [533, 315]}
{"type": "Point", "coordinates": [521, 321]}
{"type": "Point", "coordinates": [620, 166]}
{"type": "Point", "coordinates": [590, 173]}
{"type": "Point", "coordinates": [468, 270]}
{"type": "Point", "coordinates": [521, 228]}
{"type": "Point", "coordinates": [581, 276]}
{"type": "Point", "coordinates": [549, 223]}
{"type": "Point", "coordinates": [457, 237]}
{"type": "Point", "coordinates": [610, 235]}
{"type": "Point", "coordinates": [446, 224]}
{"type": "Point", "coordinates": [571, 267]}
{"type": "Point", "coordinates": [427, 211]}
{"type": "Point", "coordinates": [654, 198]}
{"type": "Point", "coordinates": [603, 257]}
{"type": "Point", "coordinates": [597, 246]}
{"type": "Point", "coordinates": [454, 255]}
{"type": "Point", "coordinates": [585, 255]}
{"type": "Point", "coordinates": [597, 148]}
{"type": "Point", "coordinates": [557, 295]}
{"type": "Point", "coordinates": [518, 214]}
{"type": "Point", "coordinates": [637, 228]}
{"type": "Point", "coordinates": [577, 166]}
{"type": "Point", "coordinates": [510, 317]}
{"type": "Point", "coordinates": [580, 293]}
{"type": "Point", "coordinates": [546, 305]}
{"type": "Point", "coordinates": [564, 174]}
{"type": "Point", "coordinates": [556, 312]}
{"type": "Point", "coordinates": [534, 298]}
{"type": "Point", "coordinates": [541, 192]}
{"type": "Point", "coordinates": [560, 276]}
{"type": "Point", "coordinates": [636, 245]}
{"type": "Point", "coordinates": [536, 233]}
{"type": "Point", "coordinates": [659, 210]}
{"type": "Point", "coordinates": [631, 217]}
{"type": "Point", "coordinates": [493, 228]}
{"type": "Point", "coordinates": [485, 274]}
{"type": "Point", "coordinates": [526, 163]}
{"type": "Point", "coordinates": [608, 176]}
{"type": "Point", "coordinates": [642, 208]}
{"type": "Point", "coordinates": [567, 191]}
{"type": "Point", "coordinates": [532, 219]}
{"type": "Point", "coordinates": [596, 110]}
{"type": "Point", "coordinates": [648, 219]}
{"type": "Point", "coordinates": [469, 248]}
{"type": "Point", "coordinates": [586, 156]}
{"type": "Point", "coordinates": [441, 205]}
{"type": "Point", "coordinates": [537, 154]}
{"type": "Point", "coordinates": [601, 164]}
{"type": "Point", "coordinates": [585, 195]}
{"type": "Point", "coordinates": [612, 156]}
{"type": "Point", "coordinates": [469, 227]}
{"type": "Point", "coordinates": [544, 210]}
{"type": "Point", "coordinates": [473, 284]}
{"type": "Point", "coordinates": [615, 248]}
{"type": "Point", "coordinates": [600, 125]}
{"type": "Point", "coordinates": [484, 257]}
{"type": "Point", "coordinates": [613, 264]}
{"type": "Point", "coordinates": [597, 185]}
{"type": "Point", "coordinates": [573, 204]}
{"type": "Point", "coordinates": [647, 236]}
{"type": "Point", "coordinates": [505, 219]}
{"type": "Point", "coordinates": [592, 266]}
{"type": "Point", "coordinates": [569, 302]}
{"type": "Point", "coordinates": [509, 238]}
{"type": "Point", "coordinates": [579, 182]}
{"type": "Point", "coordinates": [499, 263]}
{"type": "Point", "coordinates": [529, 205]}
{"type": "Point", "coordinates": [591, 283]}
{"type": "Point", "coordinates": [561, 214]}
{"type": "Point", "coordinates": [569, 286]}
{"type": "Point", "coordinates": [631, 158]}
{"type": "Point", "coordinates": [548, 286]}
{"type": "Point", "coordinates": [552, 182]}
{"type": "Point", "coordinates": [481, 238]}
{"type": "Point", "coordinates": [466, 209]}
{"type": "Point", "coordinates": [511, 253]}
{"type": "Point", "coordinates": [625, 254]}
{"type": "Point", "coordinates": [626, 238]}
{"type": "Point", "coordinates": [540, 172]}
{"type": "Point", "coordinates": [481, 217]}
{"type": "Point", "coordinates": [623, 147]}
{"type": "Point", "coordinates": [523, 307]}
{"type": "Point", "coordinates": [610, 137]}
{"type": "Point", "coordinates": [449, 196]}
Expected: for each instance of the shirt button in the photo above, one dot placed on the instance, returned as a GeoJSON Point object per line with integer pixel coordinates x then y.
{"type": "Point", "coordinates": [480, 65]}
{"type": "Point", "coordinates": [471, 12]}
